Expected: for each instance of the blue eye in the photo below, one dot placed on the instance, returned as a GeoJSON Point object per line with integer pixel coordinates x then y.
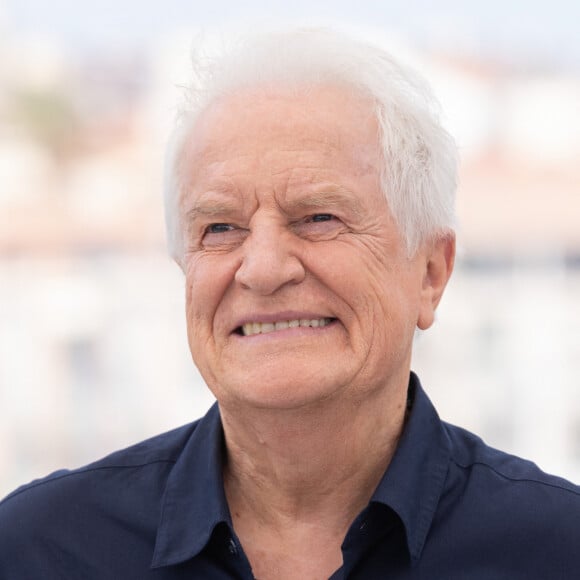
{"type": "Point", "coordinates": [218, 228]}
{"type": "Point", "coordinates": [221, 235]}
{"type": "Point", "coordinates": [322, 217]}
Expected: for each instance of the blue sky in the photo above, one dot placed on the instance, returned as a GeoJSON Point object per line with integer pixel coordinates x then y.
{"type": "Point", "coordinates": [507, 29]}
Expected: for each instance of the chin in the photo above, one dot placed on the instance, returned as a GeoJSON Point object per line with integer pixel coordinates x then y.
{"type": "Point", "coordinates": [280, 392]}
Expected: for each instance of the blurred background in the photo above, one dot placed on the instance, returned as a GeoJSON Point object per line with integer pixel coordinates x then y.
{"type": "Point", "coordinates": [93, 352]}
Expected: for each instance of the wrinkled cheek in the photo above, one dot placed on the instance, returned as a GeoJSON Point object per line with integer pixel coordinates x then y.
{"type": "Point", "coordinates": [193, 316]}
{"type": "Point", "coordinates": [194, 313]}
{"type": "Point", "coordinates": [198, 337]}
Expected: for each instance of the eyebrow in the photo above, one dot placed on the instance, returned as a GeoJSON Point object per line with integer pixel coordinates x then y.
{"type": "Point", "coordinates": [210, 209]}
{"type": "Point", "coordinates": [327, 198]}
{"type": "Point", "coordinates": [216, 200]}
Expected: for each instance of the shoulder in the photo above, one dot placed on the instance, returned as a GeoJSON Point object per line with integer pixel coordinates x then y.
{"type": "Point", "coordinates": [159, 450]}
{"type": "Point", "coordinates": [470, 452]}
{"type": "Point", "coordinates": [501, 516]}
{"type": "Point", "coordinates": [73, 507]}
{"type": "Point", "coordinates": [511, 492]}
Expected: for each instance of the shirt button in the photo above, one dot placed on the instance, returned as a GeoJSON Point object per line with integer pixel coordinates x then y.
{"type": "Point", "coordinates": [363, 526]}
{"type": "Point", "coordinates": [233, 549]}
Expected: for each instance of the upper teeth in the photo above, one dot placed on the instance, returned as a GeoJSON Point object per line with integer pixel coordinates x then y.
{"type": "Point", "coordinates": [264, 327]}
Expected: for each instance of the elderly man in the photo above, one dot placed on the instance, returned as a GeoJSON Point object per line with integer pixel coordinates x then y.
{"type": "Point", "coordinates": [310, 205]}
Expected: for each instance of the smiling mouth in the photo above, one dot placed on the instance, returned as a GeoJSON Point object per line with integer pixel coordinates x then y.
{"type": "Point", "coordinates": [253, 328]}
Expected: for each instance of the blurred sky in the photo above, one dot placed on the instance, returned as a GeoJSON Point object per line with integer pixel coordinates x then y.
{"type": "Point", "coordinates": [515, 30]}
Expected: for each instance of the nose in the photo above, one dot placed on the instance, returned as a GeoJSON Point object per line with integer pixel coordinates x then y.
{"type": "Point", "coordinates": [270, 260]}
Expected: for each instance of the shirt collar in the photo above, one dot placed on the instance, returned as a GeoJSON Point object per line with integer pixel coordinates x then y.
{"type": "Point", "coordinates": [194, 502]}
{"type": "Point", "coordinates": [414, 480]}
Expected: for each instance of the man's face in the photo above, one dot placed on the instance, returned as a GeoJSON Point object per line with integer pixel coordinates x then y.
{"type": "Point", "coordinates": [298, 284]}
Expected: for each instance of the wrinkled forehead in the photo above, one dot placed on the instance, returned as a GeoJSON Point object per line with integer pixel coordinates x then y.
{"type": "Point", "coordinates": [324, 121]}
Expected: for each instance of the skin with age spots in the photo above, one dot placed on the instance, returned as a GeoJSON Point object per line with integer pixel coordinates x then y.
{"type": "Point", "coordinates": [285, 220]}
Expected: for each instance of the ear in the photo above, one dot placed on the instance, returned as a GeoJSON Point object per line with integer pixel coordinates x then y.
{"type": "Point", "coordinates": [439, 261]}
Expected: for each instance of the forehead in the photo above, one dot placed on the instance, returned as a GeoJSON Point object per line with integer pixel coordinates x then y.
{"type": "Point", "coordinates": [275, 131]}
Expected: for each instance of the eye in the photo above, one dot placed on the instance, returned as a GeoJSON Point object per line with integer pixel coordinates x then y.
{"type": "Point", "coordinates": [321, 217]}
{"type": "Point", "coordinates": [319, 226]}
{"type": "Point", "coordinates": [218, 228]}
{"type": "Point", "coordinates": [222, 235]}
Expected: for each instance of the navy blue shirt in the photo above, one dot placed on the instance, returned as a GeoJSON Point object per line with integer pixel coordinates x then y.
{"type": "Point", "coordinates": [448, 507]}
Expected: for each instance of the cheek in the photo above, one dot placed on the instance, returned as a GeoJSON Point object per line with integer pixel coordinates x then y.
{"type": "Point", "coordinates": [354, 271]}
{"type": "Point", "coordinates": [198, 294]}
{"type": "Point", "coordinates": [193, 318]}
{"type": "Point", "coordinates": [207, 280]}
{"type": "Point", "coordinates": [356, 286]}
{"type": "Point", "coordinates": [381, 291]}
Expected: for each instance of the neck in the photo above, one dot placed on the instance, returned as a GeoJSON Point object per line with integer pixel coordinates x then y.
{"type": "Point", "coordinates": [315, 464]}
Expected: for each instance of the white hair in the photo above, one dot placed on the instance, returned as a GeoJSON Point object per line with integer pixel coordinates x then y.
{"type": "Point", "coordinates": [420, 161]}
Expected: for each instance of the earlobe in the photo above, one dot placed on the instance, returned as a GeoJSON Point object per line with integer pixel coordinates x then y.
{"type": "Point", "coordinates": [438, 268]}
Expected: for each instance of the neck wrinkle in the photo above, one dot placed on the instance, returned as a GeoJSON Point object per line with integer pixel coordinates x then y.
{"type": "Point", "coordinates": [310, 465]}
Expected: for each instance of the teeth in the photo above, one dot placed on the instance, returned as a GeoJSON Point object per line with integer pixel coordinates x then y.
{"type": "Point", "coordinates": [251, 328]}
